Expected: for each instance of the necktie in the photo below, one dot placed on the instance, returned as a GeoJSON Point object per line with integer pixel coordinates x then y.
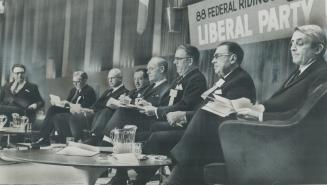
{"type": "Point", "coordinates": [109, 92]}
{"type": "Point", "coordinates": [295, 75]}
{"type": "Point", "coordinates": [75, 96]}
{"type": "Point", "coordinates": [14, 90]}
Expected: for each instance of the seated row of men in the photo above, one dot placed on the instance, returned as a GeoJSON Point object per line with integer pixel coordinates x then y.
{"type": "Point", "coordinates": [172, 121]}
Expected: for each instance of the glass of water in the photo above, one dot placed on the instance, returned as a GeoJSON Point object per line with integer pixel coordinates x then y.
{"type": "Point", "coordinates": [137, 150]}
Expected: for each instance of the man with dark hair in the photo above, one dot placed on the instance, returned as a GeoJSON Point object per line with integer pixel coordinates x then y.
{"type": "Point", "coordinates": [20, 96]}
{"type": "Point", "coordinates": [201, 139]}
{"type": "Point", "coordinates": [233, 83]}
{"type": "Point", "coordinates": [141, 82]}
{"type": "Point", "coordinates": [184, 95]}
{"type": "Point", "coordinates": [155, 94]}
{"type": "Point", "coordinates": [81, 93]}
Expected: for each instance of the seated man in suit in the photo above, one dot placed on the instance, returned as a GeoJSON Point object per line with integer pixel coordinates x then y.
{"type": "Point", "coordinates": [200, 142]}
{"type": "Point", "coordinates": [184, 95]}
{"type": "Point", "coordinates": [155, 94]}
{"type": "Point", "coordinates": [141, 82]}
{"type": "Point", "coordinates": [20, 96]}
{"type": "Point", "coordinates": [81, 118]}
{"type": "Point", "coordinates": [81, 93]}
{"type": "Point", "coordinates": [233, 83]}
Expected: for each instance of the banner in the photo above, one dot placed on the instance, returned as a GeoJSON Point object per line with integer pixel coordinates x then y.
{"type": "Point", "coordinates": [247, 21]}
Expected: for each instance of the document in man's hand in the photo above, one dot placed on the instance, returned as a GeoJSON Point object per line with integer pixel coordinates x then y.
{"type": "Point", "coordinates": [79, 149]}
{"type": "Point", "coordinates": [112, 102]}
{"type": "Point", "coordinates": [223, 107]}
{"type": "Point", "coordinates": [55, 100]}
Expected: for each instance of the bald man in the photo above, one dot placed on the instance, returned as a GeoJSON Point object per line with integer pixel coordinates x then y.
{"type": "Point", "coordinates": [156, 93]}
{"type": "Point", "coordinates": [73, 124]}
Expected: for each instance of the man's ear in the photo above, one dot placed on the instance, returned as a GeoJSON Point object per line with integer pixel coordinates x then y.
{"type": "Point", "coordinates": [233, 59]}
{"type": "Point", "coordinates": [319, 49]}
{"type": "Point", "coordinates": [162, 69]}
{"type": "Point", "coordinates": [191, 62]}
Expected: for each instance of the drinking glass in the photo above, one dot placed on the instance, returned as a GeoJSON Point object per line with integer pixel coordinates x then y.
{"type": "Point", "coordinates": [15, 120]}
{"type": "Point", "coordinates": [137, 150]}
{"type": "Point", "coordinates": [3, 120]}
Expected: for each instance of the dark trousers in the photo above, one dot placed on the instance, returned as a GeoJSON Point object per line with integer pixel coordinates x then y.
{"type": "Point", "coordinates": [125, 116]}
{"type": "Point", "coordinates": [160, 143]}
{"type": "Point", "coordinates": [100, 121]}
{"type": "Point", "coordinates": [48, 124]}
{"type": "Point", "coordinates": [200, 143]}
{"type": "Point", "coordinates": [72, 125]}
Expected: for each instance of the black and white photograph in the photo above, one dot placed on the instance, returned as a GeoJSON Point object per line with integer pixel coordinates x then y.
{"type": "Point", "coordinates": [163, 92]}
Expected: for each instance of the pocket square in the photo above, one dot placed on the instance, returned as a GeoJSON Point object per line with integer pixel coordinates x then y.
{"type": "Point", "coordinates": [27, 90]}
{"type": "Point", "coordinates": [179, 87]}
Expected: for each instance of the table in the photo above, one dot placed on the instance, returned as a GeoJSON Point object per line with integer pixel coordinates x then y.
{"type": "Point", "coordinates": [92, 167]}
{"type": "Point", "coordinates": [8, 131]}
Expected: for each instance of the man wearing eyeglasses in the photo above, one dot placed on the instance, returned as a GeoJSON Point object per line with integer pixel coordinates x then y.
{"type": "Point", "coordinates": [233, 83]}
{"type": "Point", "coordinates": [308, 45]}
{"type": "Point", "coordinates": [82, 118]}
{"type": "Point", "coordinates": [81, 93]}
{"type": "Point", "coordinates": [141, 82]}
{"type": "Point", "coordinates": [183, 94]}
{"type": "Point", "coordinates": [20, 96]}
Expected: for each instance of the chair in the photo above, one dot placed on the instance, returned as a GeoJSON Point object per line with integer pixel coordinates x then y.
{"type": "Point", "coordinates": [292, 151]}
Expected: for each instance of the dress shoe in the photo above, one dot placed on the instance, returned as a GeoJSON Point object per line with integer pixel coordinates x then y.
{"type": "Point", "coordinates": [91, 141]}
{"type": "Point", "coordinates": [105, 143]}
{"type": "Point", "coordinates": [41, 142]}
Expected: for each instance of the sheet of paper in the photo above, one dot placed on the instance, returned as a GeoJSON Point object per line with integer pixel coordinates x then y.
{"type": "Point", "coordinates": [218, 108]}
{"type": "Point", "coordinates": [112, 102]}
{"type": "Point", "coordinates": [241, 103]}
{"type": "Point", "coordinates": [55, 100]}
{"type": "Point", "coordinates": [126, 158]}
{"type": "Point", "coordinates": [79, 149]}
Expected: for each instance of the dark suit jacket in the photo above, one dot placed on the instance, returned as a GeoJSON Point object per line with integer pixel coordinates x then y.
{"type": "Point", "coordinates": [87, 96]}
{"type": "Point", "coordinates": [135, 93]}
{"type": "Point", "coordinates": [200, 141]}
{"type": "Point", "coordinates": [157, 96]}
{"type": "Point", "coordinates": [101, 102]}
{"type": "Point", "coordinates": [293, 95]}
{"type": "Point", "coordinates": [194, 84]}
{"type": "Point", "coordinates": [238, 84]}
{"type": "Point", "coordinates": [28, 95]}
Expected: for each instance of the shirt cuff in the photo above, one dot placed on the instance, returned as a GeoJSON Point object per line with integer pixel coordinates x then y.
{"type": "Point", "coordinates": [156, 111]}
{"type": "Point", "coordinates": [184, 118]}
{"type": "Point", "coordinates": [261, 116]}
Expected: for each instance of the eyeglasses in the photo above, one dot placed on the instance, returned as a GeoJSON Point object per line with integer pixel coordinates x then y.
{"type": "Point", "coordinates": [16, 73]}
{"type": "Point", "coordinates": [180, 58]}
{"type": "Point", "coordinates": [111, 78]}
{"type": "Point", "coordinates": [75, 82]}
{"type": "Point", "coordinates": [218, 55]}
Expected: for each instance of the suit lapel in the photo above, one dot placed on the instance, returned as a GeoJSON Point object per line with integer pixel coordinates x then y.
{"type": "Point", "coordinates": [151, 90]}
{"type": "Point", "coordinates": [302, 76]}
{"type": "Point", "coordinates": [231, 77]}
{"type": "Point", "coordinates": [117, 92]}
